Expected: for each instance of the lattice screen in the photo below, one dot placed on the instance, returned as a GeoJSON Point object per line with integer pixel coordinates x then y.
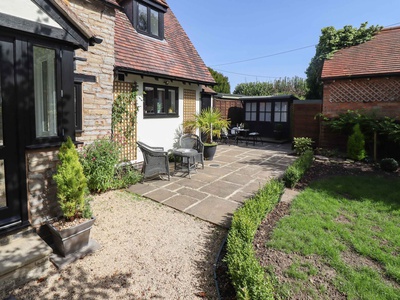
{"type": "Point", "coordinates": [189, 104]}
{"type": "Point", "coordinates": [128, 151]}
{"type": "Point", "coordinates": [365, 91]}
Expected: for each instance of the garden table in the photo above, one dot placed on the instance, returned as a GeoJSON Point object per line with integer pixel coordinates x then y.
{"type": "Point", "coordinates": [187, 159]}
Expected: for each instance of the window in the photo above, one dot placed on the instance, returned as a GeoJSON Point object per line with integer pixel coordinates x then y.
{"type": "Point", "coordinates": [160, 101]}
{"type": "Point", "coordinates": [281, 112]}
{"type": "Point", "coordinates": [44, 68]}
{"type": "Point", "coordinates": [148, 20]}
{"type": "Point", "coordinates": [250, 111]}
{"type": "Point", "coordinates": [265, 112]}
{"type": "Point", "coordinates": [78, 106]}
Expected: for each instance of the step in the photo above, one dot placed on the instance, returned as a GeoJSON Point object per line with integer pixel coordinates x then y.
{"type": "Point", "coordinates": [24, 256]}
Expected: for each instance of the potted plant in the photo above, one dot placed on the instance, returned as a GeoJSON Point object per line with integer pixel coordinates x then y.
{"type": "Point", "coordinates": [210, 123]}
{"type": "Point", "coordinates": [71, 230]}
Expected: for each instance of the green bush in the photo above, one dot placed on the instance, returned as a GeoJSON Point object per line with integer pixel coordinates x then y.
{"type": "Point", "coordinates": [246, 273]}
{"type": "Point", "coordinates": [389, 164]}
{"type": "Point", "coordinates": [356, 144]}
{"type": "Point", "coordinates": [100, 161]}
{"type": "Point", "coordinates": [302, 144]}
{"type": "Point", "coordinates": [296, 170]}
{"type": "Point", "coordinates": [71, 182]}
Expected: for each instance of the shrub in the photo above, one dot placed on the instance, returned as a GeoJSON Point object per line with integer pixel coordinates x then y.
{"type": "Point", "coordinates": [356, 144]}
{"type": "Point", "coordinates": [389, 164]}
{"type": "Point", "coordinates": [247, 275]}
{"type": "Point", "coordinates": [302, 144]}
{"type": "Point", "coordinates": [100, 164]}
{"type": "Point", "coordinates": [71, 182]}
{"type": "Point", "coordinates": [296, 170]}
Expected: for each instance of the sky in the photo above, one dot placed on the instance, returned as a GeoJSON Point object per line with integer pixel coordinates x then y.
{"type": "Point", "coordinates": [263, 40]}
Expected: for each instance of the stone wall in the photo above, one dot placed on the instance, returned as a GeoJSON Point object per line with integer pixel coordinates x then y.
{"type": "Point", "coordinates": [97, 96]}
{"type": "Point", "coordinates": [42, 200]}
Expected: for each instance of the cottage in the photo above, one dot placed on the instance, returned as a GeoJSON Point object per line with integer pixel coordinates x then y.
{"type": "Point", "coordinates": [62, 63]}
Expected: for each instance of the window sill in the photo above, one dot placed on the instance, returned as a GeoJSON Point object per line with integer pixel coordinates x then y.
{"type": "Point", "coordinates": [160, 116]}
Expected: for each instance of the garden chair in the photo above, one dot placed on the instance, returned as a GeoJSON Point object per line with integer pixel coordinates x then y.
{"type": "Point", "coordinates": [155, 161]}
{"type": "Point", "coordinates": [226, 136]}
{"type": "Point", "coordinates": [192, 141]}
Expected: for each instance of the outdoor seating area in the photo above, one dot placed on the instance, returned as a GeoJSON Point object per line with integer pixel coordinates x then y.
{"type": "Point", "coordinates": [215, 192]}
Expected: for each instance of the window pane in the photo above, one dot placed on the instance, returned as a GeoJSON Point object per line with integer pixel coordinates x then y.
{"type": "Point", "coordinates": [253, 106]}
{"type": "Point", "coordinates": [142, 17]}
{"type": "Point", "coordinates": [262, 106]}
{"type": "Point", "coordinates": [248, 107]}
{"type": "Point", "coordinates": [172, 99]}
{"type": "Point", "coordinates": [154, 22]}
{"type": "Point", "coordinates": [160, 100]}
{"type": "Point", "coordinates": [268, 106]}
{"type": "Point", "coordinates": [3, 200]}
{"type": "Point", "coordinates": [45, 92]}
{"type": "Point", "coordinates": [268, 117]}
{"type": "Point", "coordinates": [148, 100]}
{"type": "Point", "coordinates": [283, 117]}
{"type": "Point", "coordinates": [253, 116]}
{"type": "Point", "coordinates": [284, 106]}
{"type": "Point", "coordinates": [247, 116]}
{"type": "Point", "coordinates": [277, 117]}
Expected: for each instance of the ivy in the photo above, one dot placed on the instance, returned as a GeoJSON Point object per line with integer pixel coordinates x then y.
{"type": "Point", "coordinates": [124, 116]}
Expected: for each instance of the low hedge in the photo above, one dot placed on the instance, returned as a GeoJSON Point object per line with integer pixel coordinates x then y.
{"type": "Point", "coordinates": [247, 275]}
{"type": "Point", "coordinates": [297, 169]}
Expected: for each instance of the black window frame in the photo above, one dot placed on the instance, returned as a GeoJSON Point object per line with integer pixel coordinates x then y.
{"type": "Point", "coordinates": [149, 7]}
{"type": "Point", "coordinates": [279, 112]}
{"type": "Point", "coordinates": [251, 111]}
{"type": "Point", "coordinates": [164, 111]}
{"type": "Point", "coordinates": [78, 107]}
{"type": "Point", "coordinates": [64, 81]}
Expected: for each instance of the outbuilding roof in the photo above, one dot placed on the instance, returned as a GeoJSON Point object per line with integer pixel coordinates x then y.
{"type": "Point", "coordinates": [379, 56]}
{"type": "Point", "coordinates": [175, 57]}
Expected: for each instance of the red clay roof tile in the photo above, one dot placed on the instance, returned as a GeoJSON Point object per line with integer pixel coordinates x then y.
{"type": "Point", "coordinates": [379, 56]}
{"type": "Point", "coordinates": [175, 56]}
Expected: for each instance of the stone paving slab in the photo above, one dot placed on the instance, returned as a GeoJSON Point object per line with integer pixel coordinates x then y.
{"type": "Point", "coordinates": [215, 192]}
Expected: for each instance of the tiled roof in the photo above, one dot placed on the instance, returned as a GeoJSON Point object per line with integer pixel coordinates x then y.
{"type": "Point", "coordinates": [174, 57]}
{"type": "Point", "coordinates": [379, 56]}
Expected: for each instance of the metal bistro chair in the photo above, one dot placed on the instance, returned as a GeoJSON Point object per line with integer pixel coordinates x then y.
{"type": "Point", "coordinates": [226, 135]}
{"type": "Point", "coordinates": [192, 141]}
{"type": "Point", "coordinates": [155, 161]}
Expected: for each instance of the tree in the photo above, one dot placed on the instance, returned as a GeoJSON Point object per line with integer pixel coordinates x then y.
{"type": "Point", "coordinates": [288, 86]}
{"type": "Point", "coordinates": [223, 85]}
{"type": "Point", "coordinates": [330, 41]}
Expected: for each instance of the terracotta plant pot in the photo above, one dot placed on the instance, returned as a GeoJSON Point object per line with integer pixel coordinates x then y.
{"type": "Point", "coordinates": [72, 239]}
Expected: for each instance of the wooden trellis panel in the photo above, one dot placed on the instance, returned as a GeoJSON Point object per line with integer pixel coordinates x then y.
{"type": "Point", "coordinates": [128, 149]}
{"type": "Point", "coordinates": [365, 91]}
{"type": "Point", "coordinates": [189, 104]}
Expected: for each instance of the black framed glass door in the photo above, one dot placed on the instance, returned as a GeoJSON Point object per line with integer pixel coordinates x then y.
{"type": "Point", "coordinates": [10, 202]}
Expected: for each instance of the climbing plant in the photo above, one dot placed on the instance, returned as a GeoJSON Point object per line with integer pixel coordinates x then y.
{"type": "Point", "coordinates": [124, 115]}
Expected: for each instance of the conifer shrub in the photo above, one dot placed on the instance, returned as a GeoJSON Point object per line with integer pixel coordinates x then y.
{"type": "Point", "coordinates": [71, 182]}
{"type": "Point", "coordinates": [356, 144]}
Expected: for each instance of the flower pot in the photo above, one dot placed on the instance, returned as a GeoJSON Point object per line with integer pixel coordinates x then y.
{"type": "Point", "coordinates": [71, 239]}
{"type": "Point", "coordinates": [209, 151]}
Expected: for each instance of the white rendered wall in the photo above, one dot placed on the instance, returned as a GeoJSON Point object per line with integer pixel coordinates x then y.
{"type": "Point", "coordinates": [26, 9]}
{"type": "Point", "coordinates": [160, 132]}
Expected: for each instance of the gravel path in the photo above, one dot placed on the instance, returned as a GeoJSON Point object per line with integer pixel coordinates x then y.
{"type": "Point", "coordinates": [148, 251]}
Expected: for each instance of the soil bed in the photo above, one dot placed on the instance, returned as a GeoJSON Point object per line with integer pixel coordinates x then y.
{"type": "Point", "coordinates": [280, 260]}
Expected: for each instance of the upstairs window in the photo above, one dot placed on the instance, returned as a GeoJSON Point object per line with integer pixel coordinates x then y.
{"type": "Point", "coordinates": [148, 20]}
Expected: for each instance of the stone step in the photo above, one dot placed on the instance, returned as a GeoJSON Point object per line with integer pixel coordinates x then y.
{"type": "Point", "coordinates": [24, 256]}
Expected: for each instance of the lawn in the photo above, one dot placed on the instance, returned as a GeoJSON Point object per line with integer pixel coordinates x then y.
{"type": "Point", "coordinates": [341, 240]}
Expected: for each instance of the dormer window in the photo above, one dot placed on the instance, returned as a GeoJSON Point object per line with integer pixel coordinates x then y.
{"type": "Point", "coordinates": [147, 17]}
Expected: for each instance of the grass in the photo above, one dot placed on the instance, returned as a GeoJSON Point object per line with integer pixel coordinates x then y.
{"type": "Point", "coordinates": [356, 217]}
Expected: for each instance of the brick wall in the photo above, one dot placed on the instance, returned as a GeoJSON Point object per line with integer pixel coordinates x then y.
{"type": "Point", "coordinates": [97, 96]}
{"type": "Point", "coordinates": [381, 95]}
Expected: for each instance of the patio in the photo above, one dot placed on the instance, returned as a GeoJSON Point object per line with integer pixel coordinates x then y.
{"type": "Point", "coordinates": [215, 192]}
